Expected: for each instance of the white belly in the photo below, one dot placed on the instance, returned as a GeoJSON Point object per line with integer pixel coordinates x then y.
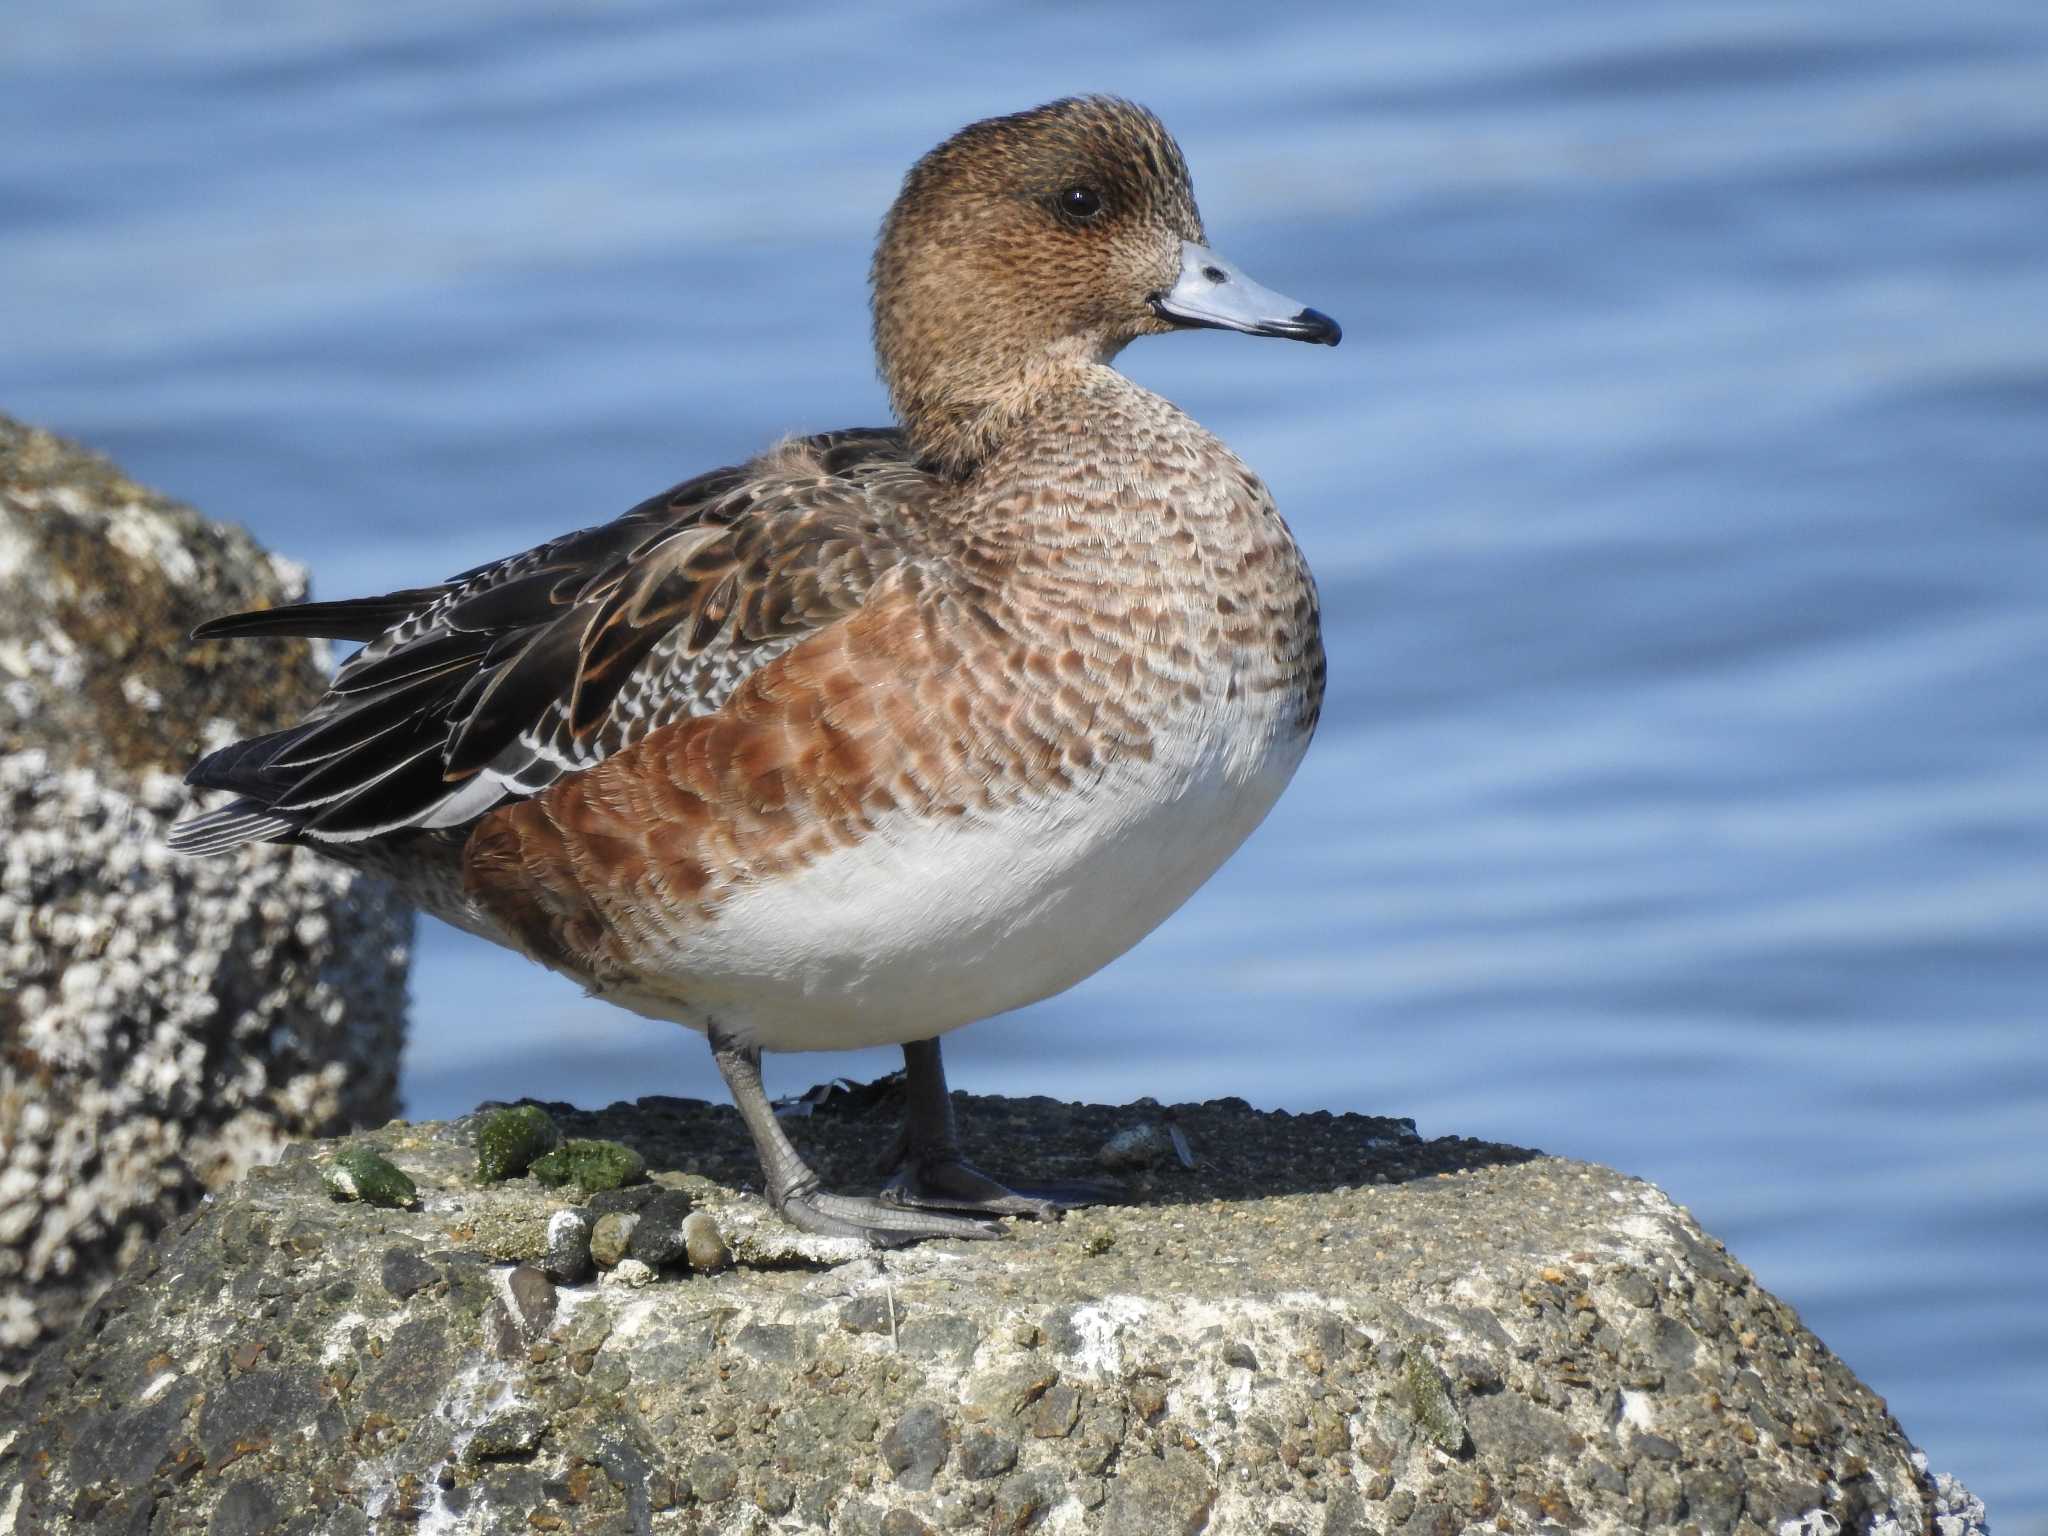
{"type": "Point", "coordinates": [928, 925]}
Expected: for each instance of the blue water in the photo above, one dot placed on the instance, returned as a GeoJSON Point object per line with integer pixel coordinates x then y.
{"type": "Point", "coordinates": [1679, 497]}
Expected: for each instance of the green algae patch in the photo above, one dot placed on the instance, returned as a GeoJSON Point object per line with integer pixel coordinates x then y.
{"type": "Point", "coordinates": [365, 1174]}
{"type": "Point", "coordinates": [1423, 1395]}
{"type": "Point", "coordinates": [509, 1140]}
{"type": "Point", "coordinates": [590, 1166]}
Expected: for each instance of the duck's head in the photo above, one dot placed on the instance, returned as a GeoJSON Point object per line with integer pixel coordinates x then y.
{"type": "Point", "coordinates": [1027, 244]}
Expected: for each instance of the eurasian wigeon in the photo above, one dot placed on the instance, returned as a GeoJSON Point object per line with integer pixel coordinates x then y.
{"type": "Point", "coordinates": [886, 730]}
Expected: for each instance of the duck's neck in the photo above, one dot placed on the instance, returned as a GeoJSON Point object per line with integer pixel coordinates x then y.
{"type": "Point", "coordinates": [1100, 463]}
{"type": "Point", "coordinates": [957, 416]}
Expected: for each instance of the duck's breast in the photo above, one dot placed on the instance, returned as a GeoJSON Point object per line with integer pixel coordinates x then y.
{"type": "Point", "coordinates": [928, 923]}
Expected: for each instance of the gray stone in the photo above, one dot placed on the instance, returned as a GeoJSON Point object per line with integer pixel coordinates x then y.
{"type": "Point", "coordinates": [567, 1258]}
{"type": "Point", "coordinates": [1041, 1383]}
{"type": "Point", "coordinates": [1136, 1147]}
{"type": "Point", "coordinates": [869, 1314]}
{"type": "Point", "coordinates": [984, 1453]}
{"type": "Point", "coordinates": [409, 1378]}
{"type": "Point", "coordinates": [712, 1478]}
{"type": "Point", "coordinates": [248, 1411]}
{"type": "Point", "coordinates": [1514, 1431]}
{"type": "Point", "coordinates": [405, 1270]}
{"type": "Point", "coordinates": [166, 1024]}
{"type": "Point", "coordinates": [917, 1446]}
{"type": "Point", "coordinates": [657, 1239]}
{"type": "Point", "coordinates": [1005, 1391]}
{"type": "Point", "coordinates": [611, 1237]}
{"type": "Point", "coordinates": [139, 1442]}
{"type": "Point", "coordinates": [631, 1273]}
{"type": "Point", "coordinates": [1054, 1415]}
{"type": "Point", "coordinates": [704, 1244]}
{"type": "Point", "coordinates": [1655, 1447]}
{"type": "Point", "coordinates": [945, 1336]}
{"type": "Point", "coordinates": [533, 1300]}
{"type": "Point", "coordinates": [1713, 1497]}
{"type": "Point", "coordinates": [587, 1330]}
{"type": "Point", "coordinates": [514, 1432]}
{"type": "Point", "coordinates": [772, 1342]}
{"type": "Point", "coordinates": [245, 1509]}
{"type": "Point", "coordinates": [772, 1494]}
{"type": "Point", "coordinates": [1426, 1401]}
{"type": "Point", "coordinates": [1021, 1500]}
{"type": "Point", "coordinates": [1168, 1491]}
{"type": "Point", "coordinates": [628, 1199]}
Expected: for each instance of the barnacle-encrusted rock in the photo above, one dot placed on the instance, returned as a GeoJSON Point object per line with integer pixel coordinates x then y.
{"type": "Point", "coordinates": [164, 1023]}
{"type": "Point", "coordinates": [1323, 1328]}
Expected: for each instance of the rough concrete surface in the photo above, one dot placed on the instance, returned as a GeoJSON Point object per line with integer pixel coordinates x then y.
{"type": "Point", "coordinates": [1323, 1326]}
{"type": "Point", "coordinates": [165, 1024]}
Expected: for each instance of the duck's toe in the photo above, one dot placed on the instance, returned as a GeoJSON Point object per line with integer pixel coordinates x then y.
{"type": "Point", "coordinates": [885, 1223]}
{"type": "Point", "coordinates": [953, 1184]}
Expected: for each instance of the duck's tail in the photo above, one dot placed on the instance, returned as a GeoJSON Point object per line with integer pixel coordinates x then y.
{"type": "Point", "coordinates": [252, 768]}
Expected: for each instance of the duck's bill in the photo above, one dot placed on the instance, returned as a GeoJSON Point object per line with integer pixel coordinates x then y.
{"type": "Point", "coordinates": [1211, 292]}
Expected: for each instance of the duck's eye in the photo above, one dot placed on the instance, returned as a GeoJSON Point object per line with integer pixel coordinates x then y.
{"type": "Point", "coordinates": [1080, 202]}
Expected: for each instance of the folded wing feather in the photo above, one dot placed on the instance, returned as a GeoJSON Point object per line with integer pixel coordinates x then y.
{"type": "Point", "coordinates": [494, 684]}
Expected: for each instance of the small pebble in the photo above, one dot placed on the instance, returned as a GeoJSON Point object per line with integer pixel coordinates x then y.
{"type": "Point", "coordinates": [985, 1454]}
{"type": "Point", "coordinates": [362, 1173]}
{"type": "Point", "coordinates": [1137, 1146]}
{"type": "Point", "coordinates": [611, 1238]}
{"type": "Point", "coordinates": [704, 1244]}
{"type": "Point", "coordinates": [658, 1235]}
{"type": "Point", "coordinates": [567, 1261]}
{"type": "Point", "coordinates": [512, 1433]}
{"type": "Point", "coordinates": [533, 1297]}
{"type": "Point", "coordinates": [867, 1314]}
{"type": "Point", "coordinates": [631, 1273]}
{"type": "Point", "coordinates": [406, 1271]}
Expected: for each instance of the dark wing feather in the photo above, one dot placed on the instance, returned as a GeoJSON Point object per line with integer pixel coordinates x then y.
{"type": "Point", "coordinates": [494, 684]}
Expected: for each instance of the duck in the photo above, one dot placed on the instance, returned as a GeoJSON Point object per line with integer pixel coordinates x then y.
{"type": "Point", "coordinates": [885, 730]}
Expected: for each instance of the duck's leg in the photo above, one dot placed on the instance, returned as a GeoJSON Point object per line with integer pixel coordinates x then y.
{"type": "Point", "coordinates": [930, 1173]}
{"type": "Point", "coordinates": [793, 1189]}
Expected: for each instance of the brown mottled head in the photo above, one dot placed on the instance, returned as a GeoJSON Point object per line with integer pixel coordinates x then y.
{"type": "Point", "coordinates": [1030, 243]}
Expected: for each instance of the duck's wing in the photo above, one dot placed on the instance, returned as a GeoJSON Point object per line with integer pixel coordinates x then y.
{"type": "Point", "coordinates": [498, 682]}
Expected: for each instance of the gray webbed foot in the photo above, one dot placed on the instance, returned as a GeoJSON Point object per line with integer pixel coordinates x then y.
{"type": "Point", "coordinates": [933, 1192]}
{"type": "Point", "coordinates": [930, 1174]}
{"type": "Point", "coordinates": [883, 1222]}
{"type": "Point", "coordinates": [949, 1184]}
{"type": "Point", "coordinates": [793, 1190]}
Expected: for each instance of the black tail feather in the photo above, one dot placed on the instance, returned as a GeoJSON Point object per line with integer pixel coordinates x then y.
{"type": "Point", "coordinates": [246, 821]}
{"type": "Point", "coordinates": [355, 618]}
{"type": "Point", "coordinates": [249, 767]}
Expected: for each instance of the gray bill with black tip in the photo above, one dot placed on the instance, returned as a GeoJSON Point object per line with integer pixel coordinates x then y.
{"type": "Point", "coordinates": [1211, 292]}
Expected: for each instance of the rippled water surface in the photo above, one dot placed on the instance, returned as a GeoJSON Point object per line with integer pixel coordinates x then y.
{"type": "Point", "coordinates": [1678, 500]}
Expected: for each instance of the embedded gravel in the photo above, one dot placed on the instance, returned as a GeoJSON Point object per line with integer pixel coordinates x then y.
{"type": "Point", "coordinates": [1325, 1326]}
